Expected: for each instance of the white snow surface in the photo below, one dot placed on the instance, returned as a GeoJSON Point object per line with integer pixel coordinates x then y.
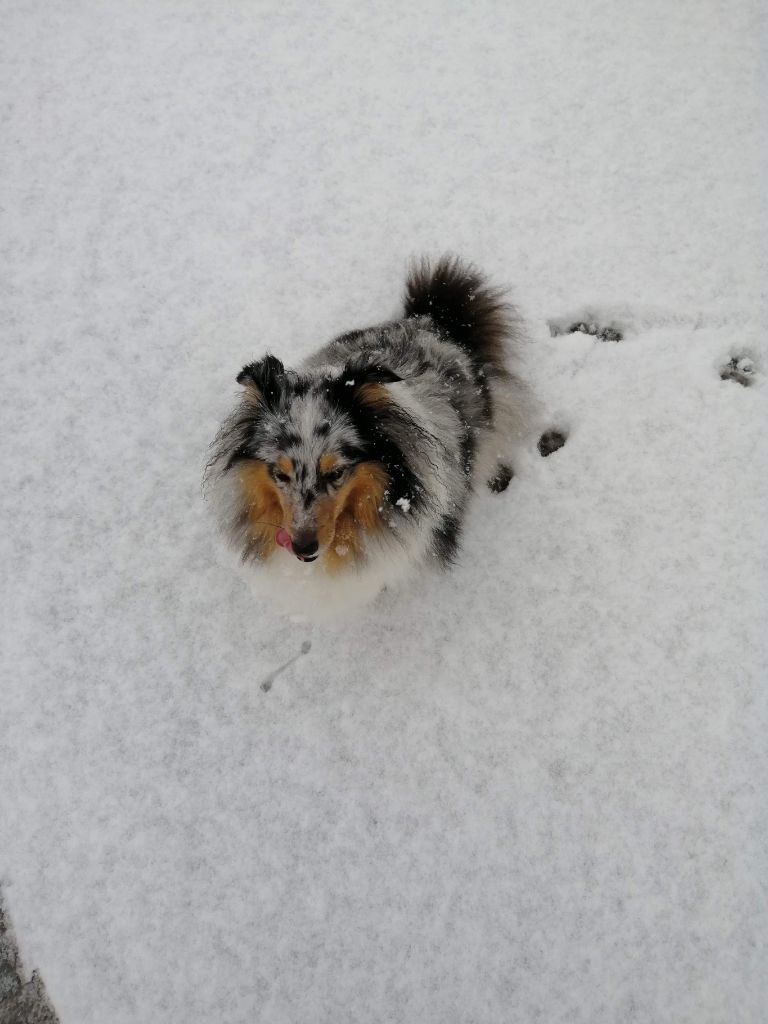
{"type": "Point", "coordinates": [530, 790]}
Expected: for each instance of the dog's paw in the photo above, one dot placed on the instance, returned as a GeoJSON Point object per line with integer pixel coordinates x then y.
{"type": "Point", "coordinates": [500, 480]}
{"type": "Point", "coordinates": [550, 441]}
{"type": "Point", "coordinates": [739, 368]}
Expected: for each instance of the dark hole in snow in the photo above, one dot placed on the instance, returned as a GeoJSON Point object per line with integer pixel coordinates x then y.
{"type": "Point", "coordinates": [740, 368]}
{"type": "Point", "coordinates": [550, 441]}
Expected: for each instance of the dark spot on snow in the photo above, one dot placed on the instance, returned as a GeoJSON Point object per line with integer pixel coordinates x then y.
{"type": "Point", "coordinates": [500, 480]}
{"type": "Point", "coordinates": [610, 334]}
{"type": "Point", "coordinates": [741, 369]}
{"type": "Point", "coordinates": [550, 441]}
{"type": "Point", "coordinates": [601, 333]}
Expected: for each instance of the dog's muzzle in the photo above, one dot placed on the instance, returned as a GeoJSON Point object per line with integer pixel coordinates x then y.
{"type": "Point", "coordinates": [303, 545]}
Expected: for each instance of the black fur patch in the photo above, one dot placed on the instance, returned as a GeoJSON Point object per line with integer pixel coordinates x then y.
{"type": "Point", "coordinates": [467, 449]}
{"type": "Point", "coordinates": [356, 374]}
{"type": "Point", "coordinates": [288, 439]}
{"type": "Point", "coordinates": [300, 386]}
{"type": "Point", "coordinates": [445, 539]}
{"type": "Point", "coordinates": [352, 453]}
{"type": "Point", "coordinates": [239, 436]}
{"type": "Point", "coordinates": [373, 425]}
{"type": "Point", "coordinates": [467, 310]}
{"type": "Point", "coordinates": [463, 306]}
{"type": "Point", "coordinates": [481, 378]}
{"type": "Point", "coordinates": [268, 377]}
{"type": "Point", "coordinates": [240, 454]}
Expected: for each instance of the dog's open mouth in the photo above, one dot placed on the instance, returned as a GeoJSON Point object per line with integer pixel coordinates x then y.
{"type": "Point", "coordinates": [283, 539]}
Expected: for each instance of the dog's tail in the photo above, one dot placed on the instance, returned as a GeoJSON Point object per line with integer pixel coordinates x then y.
{"type": "Point", "coordinates": [464, 307]}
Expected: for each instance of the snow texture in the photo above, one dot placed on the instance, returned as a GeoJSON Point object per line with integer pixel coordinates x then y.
{"type": "Point", "coordinates": [531, 790]}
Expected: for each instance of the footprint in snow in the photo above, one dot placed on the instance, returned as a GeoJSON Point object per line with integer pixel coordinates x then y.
{"type": "Point", "coordinates": [604, 328]}
{"type": "Point", "coordinates": [739, 368]}
{"type": "Point", "coordinates": [550, 441]}
{"type": "Point", "coordinates": [601, 333]}
{"type": "Point", "coordinates": [607, 328]}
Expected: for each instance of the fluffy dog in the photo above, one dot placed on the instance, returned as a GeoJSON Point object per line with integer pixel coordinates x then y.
{"type": "Point", "coordinates": [356, 469]}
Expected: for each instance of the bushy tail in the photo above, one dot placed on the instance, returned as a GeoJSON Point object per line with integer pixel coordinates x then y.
{"type": "Point", "coordinates": [463, 306]}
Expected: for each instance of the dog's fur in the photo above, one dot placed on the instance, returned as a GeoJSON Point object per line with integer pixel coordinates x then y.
{"type": "Point", "coordinates": [371, 449]}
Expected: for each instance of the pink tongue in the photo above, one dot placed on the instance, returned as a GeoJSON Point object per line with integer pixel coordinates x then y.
{"type": "Point", "coordinates": [283, 538]}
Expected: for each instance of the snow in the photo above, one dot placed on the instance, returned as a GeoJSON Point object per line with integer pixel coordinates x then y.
{"type": "Point", "coordinates": [532, 790]}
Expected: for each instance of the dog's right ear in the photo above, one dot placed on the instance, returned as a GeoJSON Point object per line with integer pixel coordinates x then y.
{"type": "Point", "coordinates": [264, 380]}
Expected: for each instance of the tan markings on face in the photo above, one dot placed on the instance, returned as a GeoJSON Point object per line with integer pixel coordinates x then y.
{"type": "Point", "coordinates": [285, 465]}
{"type": "Point", "coordinates": [345, 516]}
{"type": "Point", "coordinates": [266, 507]}
{"type": "Point", "coordinates": [328, 462]}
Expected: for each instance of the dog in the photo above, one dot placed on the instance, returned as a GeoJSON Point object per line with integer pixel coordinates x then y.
{"type": "Point", "coordinates": [356, 470]}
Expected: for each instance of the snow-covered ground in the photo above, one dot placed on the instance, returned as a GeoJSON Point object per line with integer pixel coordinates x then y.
{"type": "Point", "coordinates": [532, 790]}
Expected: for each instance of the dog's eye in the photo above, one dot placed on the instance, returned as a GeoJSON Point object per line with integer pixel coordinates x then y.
{"type": "Point", "coordinates": [334, 476]}
{"type": "Point", "coordinates": [282, 478]}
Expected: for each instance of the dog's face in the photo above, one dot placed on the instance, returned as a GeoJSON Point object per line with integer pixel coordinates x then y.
{"type": "Point", "coordinates": [307, 479]}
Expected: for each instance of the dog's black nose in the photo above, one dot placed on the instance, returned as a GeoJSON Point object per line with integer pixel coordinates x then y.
{"type": "Point", "coordinates": [305, 545]}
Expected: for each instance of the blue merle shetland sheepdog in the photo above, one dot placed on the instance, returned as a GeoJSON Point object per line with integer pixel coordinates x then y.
{"type": "Point", "coordinates": [355, 470]}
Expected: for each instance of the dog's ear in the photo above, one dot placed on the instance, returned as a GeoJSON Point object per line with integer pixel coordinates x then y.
{"type": "Point", "coordinates": [265, 380]}
{"type": "Point", "coordinates": [364, 384]}
{"type": "Point", "coordinates": [380, 375]}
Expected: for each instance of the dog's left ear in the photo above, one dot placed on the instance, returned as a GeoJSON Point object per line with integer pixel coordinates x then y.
{"type": "Point", "coordinates": [380, 375]}
{"type": "Point", "coordinates": [364, 384]}
{"type": "Point", "coordinates": [265, 379]}
{"type": "Point", "coordinates": [355, 375]}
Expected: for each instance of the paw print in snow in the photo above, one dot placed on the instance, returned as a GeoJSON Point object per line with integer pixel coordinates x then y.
{"type": "Point", "coordinates": [601, 324]}
{"type": "Point", "coordinates": [740, 369]}
{"type": "Point", "coordinates": [601, 333]}
{"type": "Point", "coordinates": [501, 478]}
{"type": "Point", "coordinates": [550, 441]}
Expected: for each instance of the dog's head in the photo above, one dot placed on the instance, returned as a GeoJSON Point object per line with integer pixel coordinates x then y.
{"type": "Point", "coordinates": [316, 459]}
